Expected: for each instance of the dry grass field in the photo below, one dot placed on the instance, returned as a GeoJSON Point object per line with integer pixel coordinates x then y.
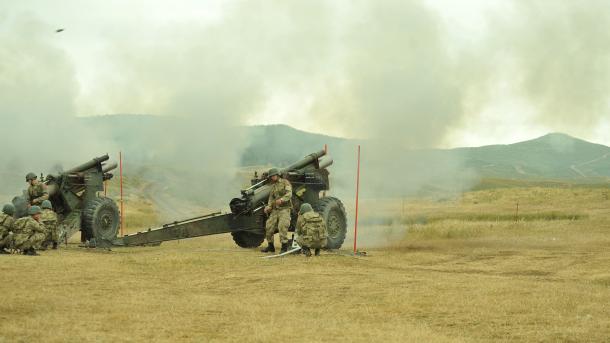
{"type": "Point", "coordinates": [463, 269]}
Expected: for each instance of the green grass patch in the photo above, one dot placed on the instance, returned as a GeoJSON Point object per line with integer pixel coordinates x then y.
{"type": "Point", "coordinates": [492, 217]}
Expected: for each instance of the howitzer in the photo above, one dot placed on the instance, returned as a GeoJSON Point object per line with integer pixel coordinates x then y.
{"type": "Point", "coordinates": [246, 221]}
{"type": "Point", "coordinates": [74, 196]}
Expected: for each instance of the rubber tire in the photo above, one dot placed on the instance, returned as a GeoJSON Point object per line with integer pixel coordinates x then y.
{"type": "Point", "coordinates": [332, 208]}
{"type": "Point", "coordinates": [247, 239]}
{"type": "Point", "coordinates": [92, 215]}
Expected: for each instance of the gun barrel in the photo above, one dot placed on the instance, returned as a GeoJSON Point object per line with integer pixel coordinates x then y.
{"type": "Point", "coordinates": [108, 167]}
{"type": "Point", "coordinates": [325, 162]}
{"type": "Point", "coordinates": [304, 161]}
{"type": "Point", "coordinates": [88, 165]}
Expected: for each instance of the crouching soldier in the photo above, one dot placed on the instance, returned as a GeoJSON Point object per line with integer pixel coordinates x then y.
{"type": "Point", "coordinates": [29, 232]}
{"type": "Point", "coordinates": [311, 230]}
{"type": "Point", "coordinates": [6, 227]}
{"type": "Point", "coordinates": [49, 219]}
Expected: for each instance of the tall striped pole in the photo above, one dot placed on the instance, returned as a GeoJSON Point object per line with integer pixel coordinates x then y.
{"type": "Point", "coordinates": [121, 182]}
{"type": "Point", "coordinates": [357, 194]}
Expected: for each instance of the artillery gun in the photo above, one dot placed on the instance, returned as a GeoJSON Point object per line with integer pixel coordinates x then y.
{"type": "Point", "coordinates": [246, 221]}
{"type": "Point", "coordinates": [75, 198]}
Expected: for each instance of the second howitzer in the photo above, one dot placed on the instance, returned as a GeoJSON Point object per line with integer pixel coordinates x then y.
{"type": "Point", "coordinates": [75, 197]}
{"type": "Point", "coordinates": [246, 221]}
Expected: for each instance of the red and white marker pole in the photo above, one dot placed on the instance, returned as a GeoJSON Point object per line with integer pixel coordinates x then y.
{"type": "Point", "coordinates": [357, 194]}
{"type": "Point", "coordinates": [121, 183]}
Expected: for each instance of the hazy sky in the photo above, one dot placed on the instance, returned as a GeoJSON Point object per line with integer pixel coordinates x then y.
{"type": "Point", "coordinates": [433, 73]}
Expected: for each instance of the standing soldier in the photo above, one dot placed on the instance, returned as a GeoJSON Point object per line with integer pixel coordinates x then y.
{"type": "Point", "coordinates": [29, 232]}
{"type": "Point", "coordinates": [49, 219]}
{"type": "Point", "coordinates": [6, 227]}
{"type": "Point", "coordinates": [311, 230]}
{"type": "Point", "coordinates": [278, 209]}
{"type": "Point", "coordinates": [37, 192]}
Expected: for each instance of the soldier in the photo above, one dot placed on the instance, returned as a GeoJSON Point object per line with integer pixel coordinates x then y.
{"type": "Point", "coordinates": [49, 219]}
{"type": "Point", "coordinates": [6, 227]}
{"type": "Point", "coordinates": [29, 232]}
{"type": "Point", "coordinates": [278, 209]}
{"type": "Point", "coordinates": [311, 230]}
{"type": "Point", "coordinates": [37, 192]}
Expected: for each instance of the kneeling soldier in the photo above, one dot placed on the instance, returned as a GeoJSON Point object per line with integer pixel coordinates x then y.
{"type": "Point", "coordinates": [29, 232]}
{"type": "Point", "coordinates": [6, 227]}
{"type": "Point", "coordinates": [49, 219]}
{"type": "Point", "coordinates": [311, 230]}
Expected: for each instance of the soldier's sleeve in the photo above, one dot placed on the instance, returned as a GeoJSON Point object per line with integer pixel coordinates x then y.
{"type": "Point", "coordinates": [42, 228]}
{"type": "Point", "coordinates": [287, 192]}
{"type": "Point", "coordinates": [30, 226]}
{"type": "Point", "coordinates": [325, 230]}
{"type": "Point", "coordinates": [300, 225]}
{"type": "Point", "coordinates": [270, 201]}
{"type": "Point", "coordinates": [45, 194]}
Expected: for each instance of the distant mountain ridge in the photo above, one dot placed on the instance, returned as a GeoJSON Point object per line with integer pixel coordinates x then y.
{"type": "Point", "coordinates": [553, 156]}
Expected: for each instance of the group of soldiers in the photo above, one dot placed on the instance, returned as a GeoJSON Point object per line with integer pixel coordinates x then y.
{"type": "Point", "coordinates": [310, 227]}
{"type": "Point", "coordinates": [35, 231]}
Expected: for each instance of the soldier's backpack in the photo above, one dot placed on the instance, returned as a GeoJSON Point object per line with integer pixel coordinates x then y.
{"type": "Point", "coordinates": [316, 228]}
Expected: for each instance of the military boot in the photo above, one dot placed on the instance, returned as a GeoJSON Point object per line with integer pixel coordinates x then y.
{"type": "Point", "coordinates": [270, 248]}
{"type": "Point", "coordinates": [284, 248]}
{"type": "Point", "coordinates": [306, 251]}
{"type": "Point", "coordinates": [54, 245]}
{"type": "Point", "coordinates": [317, 251]}
{"type": "Point", "coordinates": [31, 252]}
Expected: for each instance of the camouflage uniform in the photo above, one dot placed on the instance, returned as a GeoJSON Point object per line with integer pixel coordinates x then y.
{"type": "Point", "coordinates": [37, 194]}
{"type": "Point", "coordinates": [311, 230]}
{"type": "Point", "coordinates": [279, 218]}
{"type": "Point", "coordinates": [28, 233]}
{"type": "Point", "coordinates": [49, 219]}
{"type": "Point", "coordinates": [6, 226]}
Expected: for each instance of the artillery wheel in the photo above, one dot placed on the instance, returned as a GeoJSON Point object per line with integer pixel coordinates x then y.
{"type": "Point", "coordinates": [333, 212]}
{"type": "Point", "coordinates": [246, 239]}
{"type": "Point", "coordinates": [101, 219]}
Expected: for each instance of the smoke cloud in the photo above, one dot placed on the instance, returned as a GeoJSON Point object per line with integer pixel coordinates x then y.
{"type": "Point", "coordinates": [387, 72]}
{"type": "Point", "coordinates": [37, 92]}
{"type": "Point", "coordinates": [558, 57]}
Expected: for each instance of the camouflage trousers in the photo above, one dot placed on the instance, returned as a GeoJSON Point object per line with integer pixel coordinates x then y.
{"type": "Point", "coordinates": [52, 235]}
{"type": "Point", "coordinates": [23, 241]}
{"type": "Point", "coordinates": [278, 220]}
{"type": "Point", "coordinates": [311, 242]}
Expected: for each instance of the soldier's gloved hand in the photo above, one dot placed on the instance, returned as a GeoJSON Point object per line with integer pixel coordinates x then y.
{"type": "Point", "coordinates": [267, 209]}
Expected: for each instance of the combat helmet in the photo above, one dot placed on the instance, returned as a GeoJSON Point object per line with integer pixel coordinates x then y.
{"type": "Point", "coordinates": [46, 205]}
{"type": "Point", "coordinates": [30, 177]}
{"type": "Point", "coordinates": [305, 208]}
{"type": "Point", "coordinates": [8, 209]}
{"type": "Point", "coordinates": [34, 210]}
{"type": "Point", "coordinates": [272, 172]}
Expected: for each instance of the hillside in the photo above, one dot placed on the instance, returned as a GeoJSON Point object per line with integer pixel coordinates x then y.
{"type": "Point", "coordinates": [553, 156]}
